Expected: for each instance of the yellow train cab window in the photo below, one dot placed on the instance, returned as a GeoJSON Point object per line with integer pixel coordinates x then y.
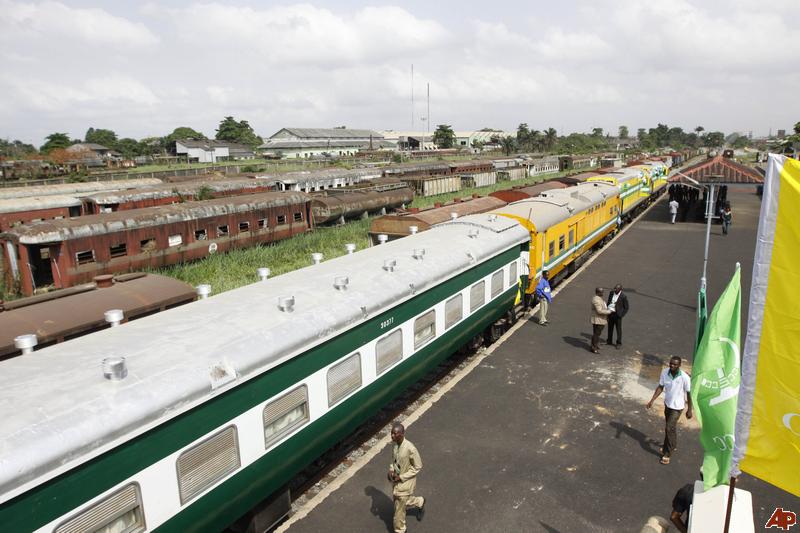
{"type": "Point", "coordinates": [561, 243]}
{"type": "Point", "coordinates": [552, 248]}
{"type": "Point", "coordinates": [571, 237]}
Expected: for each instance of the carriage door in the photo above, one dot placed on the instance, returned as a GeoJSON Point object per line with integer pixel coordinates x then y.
{"type": "Point", "coordinates": [572, 238]}
{"type": "Point", "coordinates": [41, 271]}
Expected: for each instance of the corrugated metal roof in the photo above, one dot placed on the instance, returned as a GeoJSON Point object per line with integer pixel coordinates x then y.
{"type": "Point", "coordinates": [330, 133]}
{"type": "Point", "coordinates": [724, 169]}
{"type": "Point", "coordinates": [286, 144]}
{"type": "Point", "coordinates": [80, 227]}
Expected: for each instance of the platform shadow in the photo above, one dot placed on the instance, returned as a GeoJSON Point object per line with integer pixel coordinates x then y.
{"type": "Point", "coordinates": [382, 506]}
{"type": "Point", "coordinates": [578, 342]}
{"type": "Point", "coordinates": [646, 443]}
{"type": "Point", "coordinates": [549, 529]}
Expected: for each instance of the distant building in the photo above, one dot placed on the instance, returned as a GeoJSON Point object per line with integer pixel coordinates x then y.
{"type": "Point", "coordinates": [414, 140]}
{"type": "Point", "coordinates": [203, 151]}
{"type": "Point", "coordinates": [304, 143]}
{"type": "Point", "coordinates": [94, 155]}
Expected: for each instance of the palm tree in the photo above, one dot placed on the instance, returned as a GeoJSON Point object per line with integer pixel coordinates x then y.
{"type": "Point", "coordinates": [550, 137]}
{"type": "Point", "coordinates": [509, 144]}
{"type": "Point", "coordinates": [535, 137]}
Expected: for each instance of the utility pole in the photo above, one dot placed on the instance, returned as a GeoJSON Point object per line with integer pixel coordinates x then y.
{"type": "Point", "coordinates": [412, 97]}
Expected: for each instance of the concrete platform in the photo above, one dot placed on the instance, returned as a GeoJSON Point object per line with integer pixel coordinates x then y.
{"type": "Point", "coordinates": [543, 435]}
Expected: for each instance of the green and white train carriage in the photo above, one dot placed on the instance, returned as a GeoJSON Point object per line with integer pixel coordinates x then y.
{"type": "Point", "coordinates": [218, 404]}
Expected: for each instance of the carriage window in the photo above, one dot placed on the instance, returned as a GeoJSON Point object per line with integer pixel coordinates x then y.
{"type": "Point", "coordinates": [281, 219]}
{"type": "Point", "coordinates": [561, 243]}
{"type": "Point", "coordinates": [200, 235]}
{"type": "Point", "coordinates": [344, 378]}
{"type": "Point", "coordinates": [497, 283]}
{"type": "Point", "coordinates": [120, 250]}
{"type": "Point", "coordinates": [477, 296]}
{"type": "Point", "coordinates": [85, 257]}
{"type": "Point", "coordinates": [44, 253]}
{"type": "Point", "coordinates": [222, 231]}
{"type": "Point", "coordinates": [571, 237]}
{"type": "Point", "coordinates": [147, 245]}
{"type": "Point", "coordinates": [552, 248]}
{"type": "Point", "coordinates": [298, 217]}
{"type": "Point", "coordinates": [512, 273]}
{"type": "Point", "coordinates": [388, 351]}
{"type": "Point", "coordinates": [453, 311]}
{"type": "Point", "coordinates": [175, 240]}
{"type": "Point", "coordinates": [284, 415]}
{"type": "Point", "coordinates": [244, 227]}
{"type": "Point", "coordinates": [424, 328]}
{"type": "Point", "coordinates": [205, 464]}
{"type": "Point", "coordinates": [262, 223]}
{"type": "Point", "coordinates": [121, 511]}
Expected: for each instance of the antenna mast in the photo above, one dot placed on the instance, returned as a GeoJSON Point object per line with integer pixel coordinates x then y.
{"type": "Point", "coordinates": [412, 97]}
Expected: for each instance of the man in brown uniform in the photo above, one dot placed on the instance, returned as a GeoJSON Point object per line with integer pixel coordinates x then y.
{"type": "Point", "coordinates": [599, 318]}
{"type": "Point", "coordinates": [406, 464]}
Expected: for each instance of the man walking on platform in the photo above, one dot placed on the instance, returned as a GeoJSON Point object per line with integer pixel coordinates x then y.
{"type": "Point", "coordinates": [618, 305]}
{"type": "Point", "coordinates": [406, 464]}
{"type": "Point", "coordinates": [599, 318]}
{"type": "Point", "coordinates": [673, 209]}
{"type": "Point", "coordinates": [676, 385]}
{"type": "Point", "coordinates": [544, 297]}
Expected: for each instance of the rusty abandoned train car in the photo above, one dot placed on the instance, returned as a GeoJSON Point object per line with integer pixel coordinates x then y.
{"type": "Point", "coordinates": [399, 225]}
{"type": "Point", "coordinates": [66, 252]}
{"type": "Point", "coordinates": [62, 315]}
{"type": "Point", "coordinates": [16, 211]}
{"type": "Point", "coordinates": [341, 204]}
{"type": "Point", "coordinates": [171, 193]}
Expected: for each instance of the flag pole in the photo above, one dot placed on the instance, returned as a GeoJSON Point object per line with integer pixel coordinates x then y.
{"type": "Point", "coordinates": [728, 513]}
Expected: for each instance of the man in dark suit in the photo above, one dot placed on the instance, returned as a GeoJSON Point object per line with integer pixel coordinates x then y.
{"type": "Point", "coordinates": [618, 305]}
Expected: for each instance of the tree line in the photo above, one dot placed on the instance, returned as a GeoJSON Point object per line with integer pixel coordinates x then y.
{"type": "Point", "coordinates": [56, 143]}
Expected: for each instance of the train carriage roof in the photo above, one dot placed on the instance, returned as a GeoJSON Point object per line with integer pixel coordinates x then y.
{"type": "Point", "coordinates": [59, 410]}
{"type": "Point", "coordinates": [172, 189]}
{"type": "Point", "coordinates": [48, 231]}
{"type": "Point", "coordinates": [80, 188]}
{"type": "Point", "coordinates": [34, 203]}
{"type": "Point", "coordinates": [557, 205]}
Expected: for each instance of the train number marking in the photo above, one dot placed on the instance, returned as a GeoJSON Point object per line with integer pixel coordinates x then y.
{"type": "Point", "coordinates": [386, 323]}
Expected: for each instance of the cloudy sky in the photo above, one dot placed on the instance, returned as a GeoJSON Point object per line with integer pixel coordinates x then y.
{"type": "Point", "coordinates": [143, 69]}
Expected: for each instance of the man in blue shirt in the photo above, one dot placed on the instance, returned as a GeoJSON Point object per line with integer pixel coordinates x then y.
{"type": "Point", "coordinates": [544, 297]}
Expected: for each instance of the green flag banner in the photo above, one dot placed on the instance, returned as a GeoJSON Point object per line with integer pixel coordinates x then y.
{"type": "Point", "coordinates": [715, 382]}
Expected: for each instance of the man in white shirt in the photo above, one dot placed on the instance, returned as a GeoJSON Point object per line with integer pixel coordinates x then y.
{"type": "Point", "coordinates": [676, 385]}
{"type": "Point", "coordinates": [673, 209]}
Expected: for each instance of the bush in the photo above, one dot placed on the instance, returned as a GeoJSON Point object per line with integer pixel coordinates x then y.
{"type": "Point", "coordinates": [397, 158]}
{"type": "Point", "coordinates": [251, 168]}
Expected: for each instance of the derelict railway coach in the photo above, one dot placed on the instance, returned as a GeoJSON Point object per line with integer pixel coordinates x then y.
{"type": "Point", "coordinates": [71, 251]}
{"type": "Point", "coordinates": [185, 421]}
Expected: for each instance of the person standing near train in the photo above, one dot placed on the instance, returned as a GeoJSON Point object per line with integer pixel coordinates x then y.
{"type": "Point", "coordinates": [599, 318]}
{"type": "Point", "coordinates": [544, 297]}
{"type": "Point", "coordinates": [673, 209]}
{"type": "Point", "coordinates": [406, 464]}
{"type": "Point", "coordinates": [727, 218]}
{"type": "Point", "coordinates": [618, 305]}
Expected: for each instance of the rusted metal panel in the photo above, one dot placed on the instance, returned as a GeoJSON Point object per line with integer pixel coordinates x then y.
{"type": "Point", "coordinates": [478, 179]}
{"type": "Point", "coordinates": [340, 205]}
{"type": "Point", "coordinates": [433, 185]}
{"type": "Point", "coordinates": [54, 317]}
{"type": "Point", "coordinates": [397, 225]}
{"type": "Point", "coordinates": [521, 193]}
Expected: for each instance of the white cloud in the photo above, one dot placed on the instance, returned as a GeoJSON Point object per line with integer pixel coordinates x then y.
{"type": "Point", "coordinates": [53, 21]}
{"type": "Point", "coordinates": [100, 93]}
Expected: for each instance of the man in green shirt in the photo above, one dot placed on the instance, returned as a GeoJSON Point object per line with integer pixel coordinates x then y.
{"type": "Point", "coordinates": [406, 464]}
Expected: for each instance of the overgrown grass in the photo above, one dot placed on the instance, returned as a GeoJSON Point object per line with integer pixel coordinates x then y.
{"type": "Point", "coordinates": [236, 268]}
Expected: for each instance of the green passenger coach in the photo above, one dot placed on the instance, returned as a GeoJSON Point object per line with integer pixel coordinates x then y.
{"type": "Point", "coordinates": [188, 419]}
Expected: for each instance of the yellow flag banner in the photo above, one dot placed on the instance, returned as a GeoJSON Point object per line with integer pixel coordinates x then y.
{"type": "Point", "coordinates": [767, 441]}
